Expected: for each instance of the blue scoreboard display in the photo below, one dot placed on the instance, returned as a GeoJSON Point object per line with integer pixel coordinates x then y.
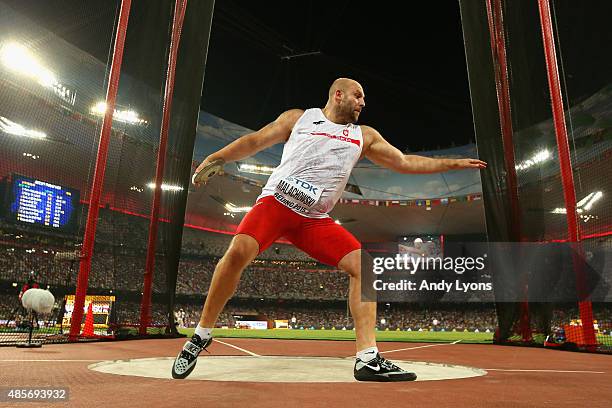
{"type": "Point", "coordinates": [41, 203]}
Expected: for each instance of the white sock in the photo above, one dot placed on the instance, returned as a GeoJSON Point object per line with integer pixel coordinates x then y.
{"type": "Point", "coordinates": [367, 354]}
{"type": "Point", "coordinates": [203, 332]}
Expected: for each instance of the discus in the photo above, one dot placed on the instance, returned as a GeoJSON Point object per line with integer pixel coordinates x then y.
{"type": "Point", "coordinates": [207, 172]}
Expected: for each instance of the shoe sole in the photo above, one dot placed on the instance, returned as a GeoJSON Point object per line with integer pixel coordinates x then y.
{"type": "Point", "coordinates": [386, 379]}
{"type": "Point", "coordinates": [178, 376]}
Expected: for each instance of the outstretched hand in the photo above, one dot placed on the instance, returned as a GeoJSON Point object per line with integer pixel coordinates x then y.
{"type": "Point", "coordinates": [469, 164]}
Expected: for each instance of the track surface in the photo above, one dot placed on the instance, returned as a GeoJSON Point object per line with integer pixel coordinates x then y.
{"type": "Point", "coordinates": [517, 377]}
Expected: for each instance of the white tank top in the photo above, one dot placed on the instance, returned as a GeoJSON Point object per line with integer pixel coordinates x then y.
{"type": "Point", "coordinates": [316, 163]}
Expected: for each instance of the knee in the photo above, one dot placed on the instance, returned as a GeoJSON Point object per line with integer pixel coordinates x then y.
{"type": "Point", "coordinates": [242, 250]}
{"type": "Point", "coordinates": [351, 264]}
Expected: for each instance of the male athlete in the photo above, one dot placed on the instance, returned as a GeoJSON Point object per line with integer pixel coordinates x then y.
{"type": "Point", "coordinates": [321, 148]}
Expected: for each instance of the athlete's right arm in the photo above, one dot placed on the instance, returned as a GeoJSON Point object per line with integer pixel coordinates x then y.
{"type": "Point", "coordinates": [252, 143]}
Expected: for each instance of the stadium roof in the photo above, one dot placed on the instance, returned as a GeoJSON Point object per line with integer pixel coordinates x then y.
{"type": "Point", "coordinates": [369, 223]}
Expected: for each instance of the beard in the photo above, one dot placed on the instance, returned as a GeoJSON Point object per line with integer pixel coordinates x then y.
{"type": "Point", "coordinates": [348, 113]}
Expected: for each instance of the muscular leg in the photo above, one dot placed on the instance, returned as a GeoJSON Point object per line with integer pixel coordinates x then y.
{"type": "Point", "coordinates": [240, 253]}
{"type": "Point", "coordinates": [364, 313]}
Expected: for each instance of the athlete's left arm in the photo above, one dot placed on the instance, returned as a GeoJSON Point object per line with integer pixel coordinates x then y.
{"type": "Point", "coordinates": [381, 152]}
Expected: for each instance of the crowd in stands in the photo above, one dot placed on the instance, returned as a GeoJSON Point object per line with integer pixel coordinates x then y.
{"type": "Point", "coordinates": [323, 315]}
{"type": "Point", "coordinates": [203, 243]}
{"type": "Point", "coordinates": [281, 273]}
{"type": "Point", "coordinates": [8, 306]}
{"type": "Point", "coordinates": [119, 229]}
{"type": "Point", "coordinates": [602, 317]}
{"type": "Point", "coordinates": [402, 318]}
{"type": "Point", "coordinates": [269, 280]}
{"type": "Point", "coordinates": [119, 272]}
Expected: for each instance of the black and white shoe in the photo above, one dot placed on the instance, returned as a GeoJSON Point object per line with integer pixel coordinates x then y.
{"type": "Point", "coordinates": [380, 369]}
{"type": "Point", "coordinates": [186, 360]}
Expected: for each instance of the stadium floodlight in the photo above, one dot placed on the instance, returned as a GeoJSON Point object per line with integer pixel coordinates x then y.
{"type": "Point", "coordinates": [560, 210]}
{"type": "Point", "coordinates": [12, 128]}
{"type": "Point", "coordinates": [17, 58]}
{"type": "Point", "coordinates": [596, 196]}
{"type": "Point", "coordinates": [255, 168]}
{"type": "Point", "coordinates": [584, 200]}
{"type": "Point", "coordinates": [537, 158]}
{"type": "Point", "coordinates": [99, 108]}
{"type": "Point", "coordinates": [583, 205]}
{"type": "Point", "coordinates": [166, 187]}
{"type": "Point", "coordinates": [126, 116]}
{"type": "Point", "coordinates": [234, 209]}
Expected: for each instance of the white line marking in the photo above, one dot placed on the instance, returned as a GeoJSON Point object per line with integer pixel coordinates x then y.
{"type": "Point", "coordinates": [46, 361]}
{"type": "Point", "coordinates": [237, 348]}
{"type": "Point", "coordinates": [544, 371]}
{"type": "Point", "coordinates": [419, 347]}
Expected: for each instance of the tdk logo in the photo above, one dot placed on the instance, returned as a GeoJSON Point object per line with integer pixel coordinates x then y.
{"type": "Point", "coordinates": [303, 184]}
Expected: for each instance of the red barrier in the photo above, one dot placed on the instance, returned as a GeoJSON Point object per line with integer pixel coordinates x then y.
{"type": "Point", "coordinates": [98, 181]}
{"type": "Point", "coordinates": [567, 177]}
{"type": "Point", "coordinates": [495, 18]}
{"type": "Point", "coordinates": [177, 27]}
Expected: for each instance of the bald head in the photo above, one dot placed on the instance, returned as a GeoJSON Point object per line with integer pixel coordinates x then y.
{"type": "Point", "coordinates": [343, 85]}
{"type": "Point", "coordinates": [345, 101]}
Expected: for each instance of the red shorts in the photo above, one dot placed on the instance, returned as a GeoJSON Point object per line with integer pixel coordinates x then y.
{"type": "Point", "coordinates": [321, 238]}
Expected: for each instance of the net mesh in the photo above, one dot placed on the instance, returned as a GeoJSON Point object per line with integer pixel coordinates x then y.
{"type": "Point", "coordinates": [54, 70]}
{"type": "Point", "coordinates": [540, 196]}
{"type": "Point", "coordinates": [55, 63]}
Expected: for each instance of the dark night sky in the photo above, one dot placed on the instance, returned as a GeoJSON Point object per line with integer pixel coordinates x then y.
{"type": "Point", "coordinates": [410, 62]}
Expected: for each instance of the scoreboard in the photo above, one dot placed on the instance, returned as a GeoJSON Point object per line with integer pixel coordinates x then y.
{"type": "Point", "coordinates": [40, 203]}
{"type": "Point", "coordinates": [101, 309]}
